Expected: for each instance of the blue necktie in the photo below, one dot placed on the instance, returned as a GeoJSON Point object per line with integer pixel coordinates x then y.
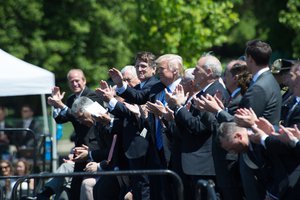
{"type": "Point", "coordinates": [158, 134]}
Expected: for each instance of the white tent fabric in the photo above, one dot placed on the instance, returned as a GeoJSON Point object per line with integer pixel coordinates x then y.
{"type": "Point", "coordinates": [18, 77]}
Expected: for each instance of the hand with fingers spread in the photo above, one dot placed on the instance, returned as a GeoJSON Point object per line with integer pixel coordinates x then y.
{"type": "Point", "coordinates": [289, 135]}
{"type": "Point", "coordinates": [207, 103]}
{"type": "Point", "coordinates": [265, 125]}
{"type": "Point", "coordinates": [56, 97]}
{"type": "Point", "coordinates": [156, 108]}
{"type": "Point", "coordinates": [106, 91]}
{"type": "Point", "coordinates": [245, 117]}
{"type": "Point", "coordinates": [177, 98]}
{"type": "Point", "coordinates": [91, 167]}
{"type": "Point", "coordinates": [81, 153]}
{"type": "Point", "coordinates": [116, 76]}
{"type": "Point", "coordinates": [257, 135]}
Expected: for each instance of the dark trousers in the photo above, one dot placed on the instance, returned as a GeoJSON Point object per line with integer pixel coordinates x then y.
{"type": "Point", "coordinates": [76, 182]}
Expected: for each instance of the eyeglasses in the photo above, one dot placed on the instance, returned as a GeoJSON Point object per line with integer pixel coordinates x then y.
{"type": "Point", "coordinates": [4, 167]}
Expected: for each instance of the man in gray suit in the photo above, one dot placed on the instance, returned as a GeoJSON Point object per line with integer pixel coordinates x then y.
{"type": "Point", "coordinates": [264, 97]}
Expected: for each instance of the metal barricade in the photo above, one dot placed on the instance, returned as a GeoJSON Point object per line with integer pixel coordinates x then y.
{"type": "Point", "coordinates": [175, 176]}
{"type": "Point", "coordinates": [207, 185]}
{"type": "Point", "coordinates": [28, 131]}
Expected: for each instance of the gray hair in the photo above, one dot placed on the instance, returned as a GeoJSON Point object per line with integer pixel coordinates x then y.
{"type": "Point", "coordinates": [81, 104]}
{"type": "Point", "coordinates": [174, 61]}
{"type": "Point", "coordinates": [131, 69]}
{"type": "Point", "coordinates": [188, 74]}
{"type": "Point", "coordinates": [214, 64]}
{"type": "Point", "coordinates": [226, 129]}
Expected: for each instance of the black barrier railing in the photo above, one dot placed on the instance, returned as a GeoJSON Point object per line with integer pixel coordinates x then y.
{"type": "Point", "coordinates": [175, 176]}
{"type": "Point", "coordinates": [28, 131]}
{"type": "Point", "coordinates": [207, 185]}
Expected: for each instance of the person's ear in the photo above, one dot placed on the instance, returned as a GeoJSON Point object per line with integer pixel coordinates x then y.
{"type": "Point", "coordinates": [238, 136]}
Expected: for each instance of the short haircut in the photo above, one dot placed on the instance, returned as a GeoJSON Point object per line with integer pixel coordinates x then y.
{"type": "Point", "coordinates": [146, 57]}
{"type": "Point", "coordinates": [131, 69]}
{"type": "Point", "coordinates": [174, 62]}
{"type": "Point", "coordinates": [214, 64]}
{"type": "Point", "coordinates": [79, 71]}
{"type": "Point", "coordinates": [226, 129]}
{"type": "Point", "coordinates": [81, 104]}
{"type": "Point", "coordinates": [260, 52]}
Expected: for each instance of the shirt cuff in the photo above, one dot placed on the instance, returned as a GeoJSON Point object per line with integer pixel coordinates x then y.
{"type": "Point", "coordinates": [122, 89]}
{"type": "Point", "coordinates": [58, 111]}
{"type": "Point", "coordinates": [263, 140]}
{"type": "Point", "coordinates": [112, 104]}
{"type": "Point", "coordinates": [90, 156]}
{"type": "Point", "coordinates": [217, 115]}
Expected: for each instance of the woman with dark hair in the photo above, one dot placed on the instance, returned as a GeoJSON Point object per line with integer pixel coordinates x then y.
{"type": "Point", "coordinates": [6, 169]}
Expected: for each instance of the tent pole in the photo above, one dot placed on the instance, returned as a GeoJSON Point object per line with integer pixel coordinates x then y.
{"type": "Point", "coordinates": [46, 130]}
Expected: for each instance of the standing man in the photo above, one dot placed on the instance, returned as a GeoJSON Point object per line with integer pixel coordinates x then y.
{"type": "Point", "coordinates": [196, 143]}
{"type": "Point", "coordinates": [264, 97]}
{"type": "Point", "coordinates": [62, 114]}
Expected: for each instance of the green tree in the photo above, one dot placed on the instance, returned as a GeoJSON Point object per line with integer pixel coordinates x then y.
{"type": "Point", "coordinates": [183, 27]}
{"type": "Point", "coordinates": [290, 17]}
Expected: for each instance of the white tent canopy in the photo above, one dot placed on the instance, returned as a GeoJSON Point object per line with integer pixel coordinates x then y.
{"type": "Point", "coordinates": [21, 78]}
{"type": "Point", "coordinates": [18, 78]}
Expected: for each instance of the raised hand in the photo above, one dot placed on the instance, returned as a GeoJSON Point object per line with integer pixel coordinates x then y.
{"type": "Point", "coordinates": [207, 103]}
{"type": "Point", "coordinates": [106, 91]}
{"type": "Point", "coordinates": [265, 125]}
{"type": "Point", "coordinates": [116, 76]}
{"type": "Point", "coordinates": [288, 135]}
{"type": "Point", "coordinates": [245, 117]}
{"type": "Point", "coordinates": [257, 135]}
{"type": "Point", "coordinates": [177, 98]}
{"type": "Point", "coordinates": [56, 97]}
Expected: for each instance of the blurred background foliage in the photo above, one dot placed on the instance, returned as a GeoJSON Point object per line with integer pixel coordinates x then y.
{"type": "Point", "coordinates": [95, 35]}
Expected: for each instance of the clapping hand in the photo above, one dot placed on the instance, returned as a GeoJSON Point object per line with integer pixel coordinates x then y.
{"type": "Point", "coordinates": [176, 98]}
{"type": "Point", "coordinates": [116, 76]}
{"type": "Point", "coordinates": [56, 97]}
{"type": "Point", "coordinates": [245, 117]}
{"type": "Point", "coordinates": [106, 91]}
{"type": "Point", "coordinates": [156, 108]}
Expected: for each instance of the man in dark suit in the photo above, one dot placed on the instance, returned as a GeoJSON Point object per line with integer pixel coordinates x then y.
{"type": "Point", "coordinates": [62, 114]}
{"type": "Point", "coordinates": [134, 135]}
{"type": "Point", "coordinates": [24, 140]}
{"type": "Point", "coordinates": [170, 69]}
{"type": "Point", "coordinates": [196, 144]}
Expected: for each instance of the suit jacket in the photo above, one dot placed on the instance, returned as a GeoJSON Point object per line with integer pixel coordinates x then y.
{"type": "Point", "coordinates": [80, 129]}
{"type": "Point", "coordinates": [264, 98]}
{"type": "Point", "coordinates": [141, 96]}
{"type": "Point", "coordinates": [289, 119]}
{"type": "Point", "coordinates": [26, 139]}
{"type": "Point", "coordinates": [197, 136]}
{"type": "Point", "coordinates": [285, 168]}
{"type": "Point", "coordinates": [234, 102]}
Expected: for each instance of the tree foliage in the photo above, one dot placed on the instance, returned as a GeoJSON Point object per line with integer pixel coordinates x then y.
{"type": "Point", "coordinates": [97, 34]}
{"type": "Point", "coordinates": [291, 17]}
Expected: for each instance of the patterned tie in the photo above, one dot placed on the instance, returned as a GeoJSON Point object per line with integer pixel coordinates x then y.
{"type": "Point", "coordinates": [158, 134]}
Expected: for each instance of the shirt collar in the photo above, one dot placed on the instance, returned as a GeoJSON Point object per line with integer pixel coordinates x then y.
{"type": "Point", "coordinates": [255, 76]}
{"type": "Point", "coordinates": [173, 85]}
{"type": "Point", "coordinates": [235, 92]}
{"type": "Point", "coordinates": [205, 88]}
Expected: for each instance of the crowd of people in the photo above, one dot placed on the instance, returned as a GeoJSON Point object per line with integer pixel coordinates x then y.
{"type": "Point", "coordinates": [236, 130]}
{"type": "Point", "coordinates": [20, 168]}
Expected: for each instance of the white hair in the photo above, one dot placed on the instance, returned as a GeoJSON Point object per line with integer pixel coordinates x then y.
{"type": "Point", "coordinates": [214, 64]}
{"type": "Point", "coordinates": [81, 104]}
{"type": "Point", "coordinates": [131, 69]}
